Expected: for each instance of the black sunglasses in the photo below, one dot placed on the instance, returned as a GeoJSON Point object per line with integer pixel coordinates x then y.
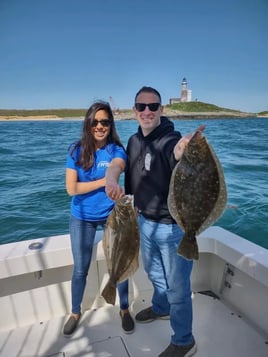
{"type": "Point", "coordinates": [153, 107]}
{"type": "Point", "coordinates": [104, 122]}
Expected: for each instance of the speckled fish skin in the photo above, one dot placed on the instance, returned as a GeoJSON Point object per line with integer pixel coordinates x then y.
{"type": "Point", "coordinates": [197, 193]}
{"type": "Point", "coordinates": [121, 245]}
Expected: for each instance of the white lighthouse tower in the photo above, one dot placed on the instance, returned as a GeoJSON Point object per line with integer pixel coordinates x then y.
{"type": "Point", "coordinates": [184, 90]}
{"type": "Point", "coordinates": [186, 94]}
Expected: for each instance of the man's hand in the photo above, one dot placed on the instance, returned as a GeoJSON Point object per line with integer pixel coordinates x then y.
{"type": "Point", "coordinates": [183, 142]}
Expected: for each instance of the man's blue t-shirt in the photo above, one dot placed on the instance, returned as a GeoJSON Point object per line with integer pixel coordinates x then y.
{"type": "Point", "coordinates": [94, 205]}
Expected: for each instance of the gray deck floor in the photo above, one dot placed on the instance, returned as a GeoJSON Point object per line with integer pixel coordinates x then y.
{"type": "Point", "coordinates": [218, 331]}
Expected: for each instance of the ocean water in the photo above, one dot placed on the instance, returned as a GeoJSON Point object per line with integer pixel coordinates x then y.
{"type": "Point", "coordinates": [34, 202]}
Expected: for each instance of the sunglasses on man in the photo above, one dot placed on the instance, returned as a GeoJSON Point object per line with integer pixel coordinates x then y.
{"type": "Point", "coordinates": [153, 107]}
{"type": "Point", "coordinates": [103, 122]}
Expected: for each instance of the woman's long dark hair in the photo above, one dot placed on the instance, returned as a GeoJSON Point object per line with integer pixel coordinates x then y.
{"type": "Point", "coordinates": [87, 143]}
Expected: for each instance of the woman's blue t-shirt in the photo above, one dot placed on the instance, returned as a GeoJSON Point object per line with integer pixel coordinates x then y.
{"type": "Point", "coordinates": [94, 205]}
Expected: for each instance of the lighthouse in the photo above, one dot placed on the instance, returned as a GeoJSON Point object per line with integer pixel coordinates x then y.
{"type": "Point", "coordinates": [184, 90]}
{"type": "Point", "coordinates": [186, 94]}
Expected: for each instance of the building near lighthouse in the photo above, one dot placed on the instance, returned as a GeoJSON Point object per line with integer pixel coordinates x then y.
{"type": "Point", "coordinates": [186, 94]}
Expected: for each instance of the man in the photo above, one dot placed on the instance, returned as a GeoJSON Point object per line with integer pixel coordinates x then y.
{"type": "Point", "coordinates": [152, 154]}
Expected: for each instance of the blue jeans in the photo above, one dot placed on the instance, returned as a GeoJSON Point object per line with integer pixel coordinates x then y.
{"type": "Point", "coordinates": [82, 235]}
{"type": "Point", "coordinates": [170, 275]}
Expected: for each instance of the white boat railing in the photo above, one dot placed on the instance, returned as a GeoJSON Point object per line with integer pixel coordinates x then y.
{"type": "Point", "coordinates": [35, 277]}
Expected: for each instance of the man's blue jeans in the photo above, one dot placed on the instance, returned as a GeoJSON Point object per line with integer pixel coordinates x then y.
{"type": "Point", "coordinates": [170, 275]}
{"type": "Point", "coordinates": [82, 241]}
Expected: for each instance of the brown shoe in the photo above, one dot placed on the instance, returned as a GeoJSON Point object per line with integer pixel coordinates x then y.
{"type": "Point", "coordinates": [71, 325]}
{"type": "Point", "coordinates": [179, 351]}
{"type": "Point", "coordinates": [148, 315]}
{"type": "Point", "coordinates": [128, 324]}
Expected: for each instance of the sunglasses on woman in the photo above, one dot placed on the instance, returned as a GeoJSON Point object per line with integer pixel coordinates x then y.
{"type": "Point", "coordinates": [103, 122]}
{"type": "Point", "coordinates": [153, 107]}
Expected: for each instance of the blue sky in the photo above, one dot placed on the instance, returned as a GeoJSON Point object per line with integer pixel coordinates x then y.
{"type": "Point", "coordinates": [68, 53]}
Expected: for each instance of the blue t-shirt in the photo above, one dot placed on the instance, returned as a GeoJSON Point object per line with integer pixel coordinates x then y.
{"type": "Point", "coordinates": [94, 205]}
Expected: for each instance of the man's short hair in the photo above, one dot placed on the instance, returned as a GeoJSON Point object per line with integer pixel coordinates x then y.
{"type": "Point", "coordinates": [148, 90]}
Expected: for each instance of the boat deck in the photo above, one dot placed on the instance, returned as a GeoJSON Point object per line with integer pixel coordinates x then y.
{"type": "Point", "coordinates": [219, 332]}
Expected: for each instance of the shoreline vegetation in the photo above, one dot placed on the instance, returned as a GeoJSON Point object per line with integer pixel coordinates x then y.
{"type": "Point", "coordinates": [188, 110]}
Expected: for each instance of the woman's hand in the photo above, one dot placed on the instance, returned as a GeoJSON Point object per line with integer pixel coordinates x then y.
{"type": "Point", "coordinates": [114, 191]}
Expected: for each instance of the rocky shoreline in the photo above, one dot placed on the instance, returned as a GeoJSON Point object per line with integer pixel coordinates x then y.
{"type": "Point", "coordinates": [31, 117]}
{"type": "Point", "coordinates": [176, 114]}
{"type": "Point", "coordinates": [128, 115]}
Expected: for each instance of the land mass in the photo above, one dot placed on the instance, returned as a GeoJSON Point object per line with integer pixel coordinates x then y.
{"type": "Point", "coordinates": [188, 110]}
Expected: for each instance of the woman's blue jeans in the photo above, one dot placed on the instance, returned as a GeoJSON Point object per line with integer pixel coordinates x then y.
{"type": "Point", "coordinates": [170, 275]}
{"type": "Point", "coordinates": [82, 235]}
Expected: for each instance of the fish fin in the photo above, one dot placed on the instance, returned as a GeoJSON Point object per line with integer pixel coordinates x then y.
{"type": "Point", "coordinates": [109, 293]}
{"type": "Point", "coordinates": [188, 248]}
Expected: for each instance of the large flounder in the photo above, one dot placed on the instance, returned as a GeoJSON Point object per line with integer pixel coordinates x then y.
{"type": "Point", "coordinates": [197, 192]}
{"type": "Point", "coordinates": [121, 243]}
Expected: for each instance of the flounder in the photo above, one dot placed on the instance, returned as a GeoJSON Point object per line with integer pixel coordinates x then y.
{"type": "Point", "coordinates": [197, 192]}
{"type": "Point", "coordinates": [121, 243]}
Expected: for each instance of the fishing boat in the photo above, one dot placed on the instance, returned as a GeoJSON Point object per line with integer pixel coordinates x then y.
{"type": "Point", "coordinates": [230, 302]}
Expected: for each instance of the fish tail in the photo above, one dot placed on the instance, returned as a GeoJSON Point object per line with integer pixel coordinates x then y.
{"type": "Point", "coordinates": [109, 293]}
{"type": "Point", "coordinates": [188, 248]}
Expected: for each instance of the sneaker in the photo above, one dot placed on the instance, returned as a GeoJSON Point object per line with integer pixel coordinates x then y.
{"type": "Point", "coordinates": [148, 315]}
{"type": "Point", "coordinates": [179, 351]}
{"type": "Point", "coordinates": [128, 324]}
{"type": "Point", "coordinates": [71, 325]}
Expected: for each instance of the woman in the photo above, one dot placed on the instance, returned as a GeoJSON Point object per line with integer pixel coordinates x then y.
{"type": "Point", "coordinates": [87, 162]}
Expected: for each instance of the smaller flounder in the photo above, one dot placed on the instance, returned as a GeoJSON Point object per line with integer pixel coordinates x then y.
{"type": "Point", "coordinates": [197, 192]}
{"type": "Point", "coordinates": [121, 243]}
